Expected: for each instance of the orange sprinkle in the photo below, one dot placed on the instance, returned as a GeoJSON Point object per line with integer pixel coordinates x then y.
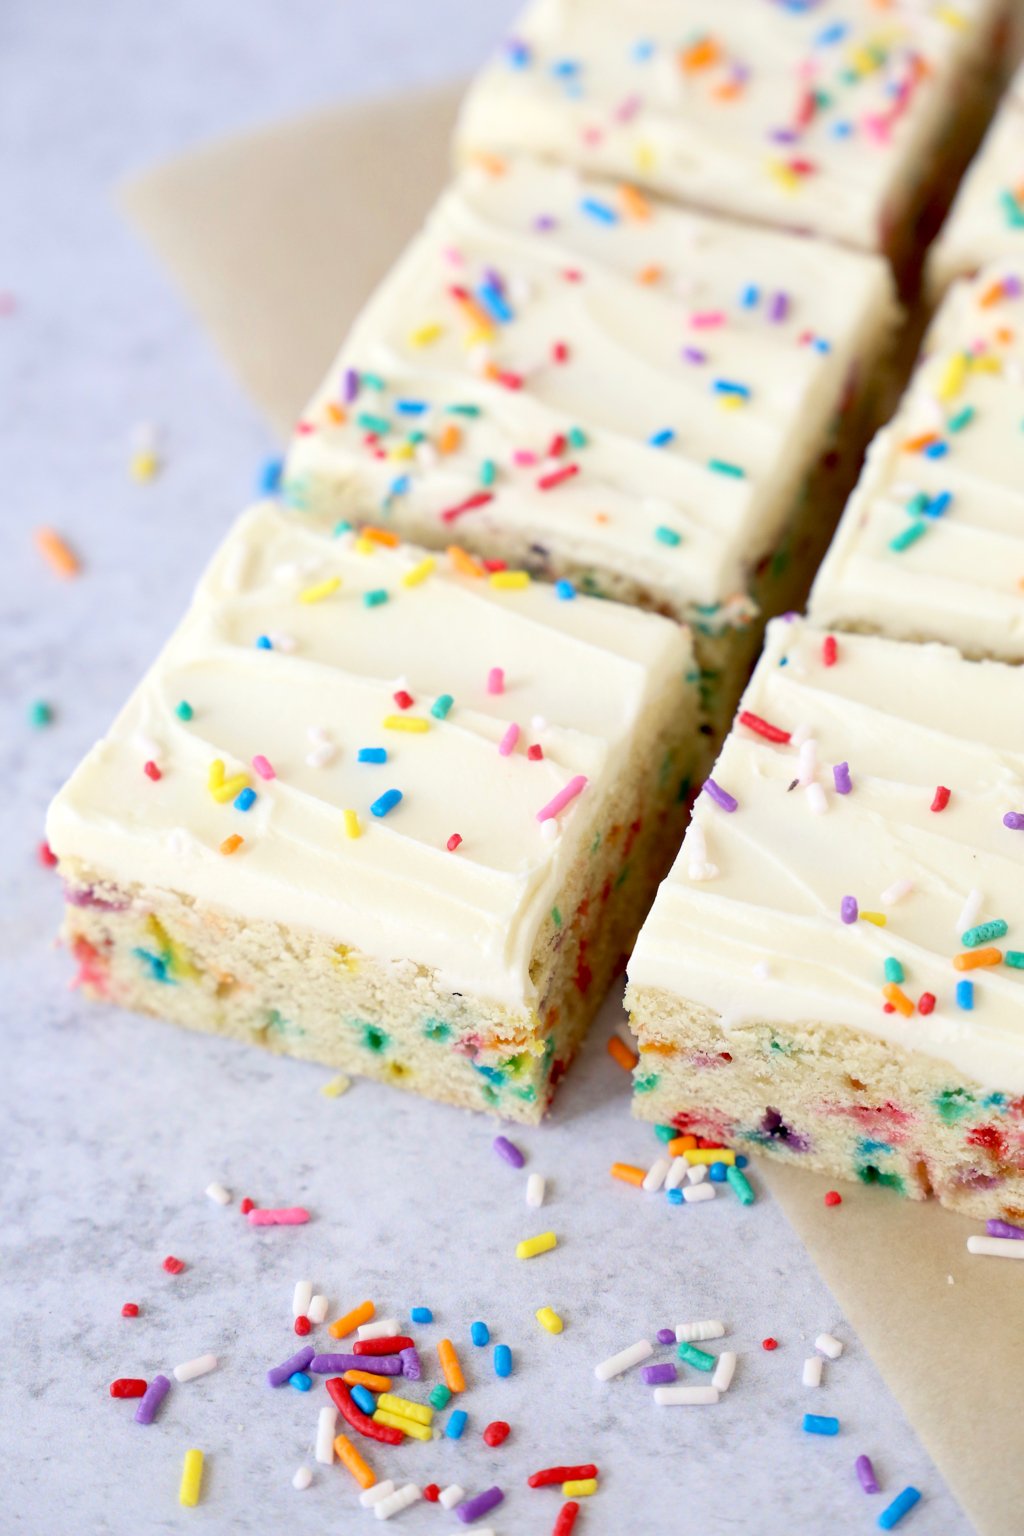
{"type": "Point", "coordinates": [620, 1052]}
{"type": "Point", "coordinates": [923, 440]}
{"type": "Point", "coordinates": [700, 55]}
{"type": "Point", "coordinates": [59, 557]}
{"type": "Point", "coordinates": [335, 413]}
{"type": "Point", "coordinates": [352, 1320]}
{"type": "Point", "coordinates": [232, 843]}
{"type": "Point", "coordinates": [993, 293]}
{"type": "Point", "coordinates": [633, 201]}
{"type": "Point", "coordinates": [453, 1376]}
{"type": "Point", "coordinates": [680, 1144]}
{"type": "Point", "coordinates": [350, 1458]}
{"type": "Point", "coordinates": [368, 1379]}
{"type": "Point", "coordinates": [472, 310]}
{"type": "Point", "coordinates": [463, 562]}
{"type": "Point", "coordinates": [492, 164]}
{"type": "Point", "coordinates": [899, 999]}
{"type": "Point", "coordinates": [385, 536]}
{"type": "Point", "coordinates": [649, 275]}
{"type": "Point", "coordinates": [972, 958]}
{"type": "Point", "coordinates": [450, 438]}
{"type": "Point", "coordinates": [628, 1174]}
{"type": "Point", "coordinates": [728, 90]}
{"type": "Point", "coordinates": [1005, 335]}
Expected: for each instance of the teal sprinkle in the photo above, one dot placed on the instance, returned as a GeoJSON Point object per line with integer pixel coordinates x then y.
{"type": "Point", "coordinates": [909, 536]}
{"type": "Point", "coordinates": [699, 1358]}
{"type": "Point", "coordinates": [437, 1030]}
{"type": "Point", "coordinates": [439, 1396]}
{"type": "Point", "coordinates": [156, 965]}
{"type": "Point", "coordinates": [371, 423]}
{"type": "Point", "coordinates": [952, 1104]}
{"type": "Point", "coordinates": [441, 706]}
{"type": "Point", "coordinates": [665, 1132]}
{"type": "Point", "coordinates": [893, 970]}
{"type": "Point", "coordinates": [492, 1074]}
{"type": "Point", "coordinates": [373, 381]}
{"type": "Point", "coordinates": [667, 536]}
{"type": "Point", "coordinates": [488, 472]}
{"type": "Point", "coordinates": [344, 526]}
{"type": "Point", "coordinates": [556, 917]}
{"type": "Point", "coordinates": [723, 467]}
{"type": "Point", "coordinates": [462, 410]}
{"type": "Point", "coordinates": [869, 1174]}
{"type": "Point", "coordinates": [39, 714]}
{"type": "Point", "coordinates": [983, 933]}
{"type": "Point", "coordinates": [1013, 210]}
{"type": "Point", "coordinates": [866, 1146]}
{"type": "Point", "coordinates": [577, 437]}
{"type": "Point", "coordinates": [415, 438]}
{"type": "Point", "coordinates": [918, 503]}
{"type": "Point", "coordinates": [961, 419]}
{"type": "Point", "coordinates": [375, 598]}
{"type": "Point", "coordinates": [374, 1039]}
{"type": "Point", "coordinates": [1014, 958]}
{"type": "Point", "coordinates": [994, 1101]}
{"type": "Point", "coordinates": [646, 1083]}
{"type": "Point", "coordinates": [740, 1185]}
{"type": "Point", "coordinates": [184, 710]}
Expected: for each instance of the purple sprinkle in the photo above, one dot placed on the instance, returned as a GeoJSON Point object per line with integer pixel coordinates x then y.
{"type": "Point", "coordinates": [151, 1399]}
{"type": "Point", "coordinates": [84, 896]}
{"type": "Point", "coordinates": [544, 222]}
{"type": "Point", "coordinates": [848, 909]}
{"type": "Point", "coordinates": [1014, 820]}
{"type": "Point", "coordinates": [657, 1375]}
{"type": "Point", "coordinates": [412, 1367]}
{"type": "Point", "coordinates": [349, 385]}
{"type": "Point", "coordinates": [509, 1151]}
{"type": "Point", "coordinates": [1012, 286]}
{"type": "Point", "coordinates": [778, 309]}
{"type": "Point", "coordinates": [472, 1509]}
{"type": "Point", "coordinates": [783, 135]}
{"type": "Point", "coordinates": [330, 1365]}
{"type": "Point", "coordinates": [996, 1228]}
{"type": "Point", "coordinates": [720, 796]}
{"type": "Point", "coordinates": [666, 1335]}
{"type": "Point", "coordinates": [841, 776]}
{"type": "Point", "coordinates": [694, 355]}
{"type": "Point", "coordinates": [280, 1373]}
{"type": "Point", "coordinates": [866, 1474]}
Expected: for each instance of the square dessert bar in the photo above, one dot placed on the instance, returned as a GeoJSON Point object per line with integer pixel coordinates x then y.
{"type": "Point", "coordinates": [931, 545]}
{"type": "Point", "coordinates": [380, 811]}
{"type": "Point", "coordinates": [987, 217]}
{"type": "Point", "coordinates": [844, 119]}
{"type": "Point", "coordinates": [833, 973]}
{"type": "Point", "coordinates": [656, 406]}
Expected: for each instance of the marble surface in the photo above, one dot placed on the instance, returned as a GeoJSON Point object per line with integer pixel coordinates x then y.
{"type": "Point", "coordinates": [113, 1126]}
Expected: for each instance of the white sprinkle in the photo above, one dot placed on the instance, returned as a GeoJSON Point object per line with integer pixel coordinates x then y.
{"type": "Point", "coordinates": [896, 892]}
{"type": "Point", "coordinates": [812, 1371]}
{"type": "Point", "coordinates": [373, 1495]}
{"type": "Point", "coordinates": [699, 866]}
{"type": "Point", "coordinates": [397, 1501]}
{"type": "Point", "coordinates": [694, 1193]}
{"type": "Point", "coordinates": [816, 802]}
{"type": "Point", "coordinates": [535, 1190]}
{"type": "Point", "coordinates": [450, 1496]}
{"type": "Point", "coordinates": [538, 723]}
{"type": "Point", "coordinates": [684, 1397]}
{"type": "Point", "coordinates": [654, 1178]}
{"type": "Point", "coordinates": [149, 747]}
{"type": "Point", "coordinates": [808, 762]}
{"type": "Point", "coordinates": [302, 1478]}
{"type": "Point", "coordinates": [218, 1193]}
{"type": "Point", "coordinates": [997, 1247]}
{"type": "Point", "coordinates": [626, 1358]}
{"type": "Point", "coordinates": [697, 1173]}
{"type": "Point", "coordinates": [827, 1344]}
{"type": "Point", "coordinates": [322, 756]}
{"type": "Point", "coordinates": [699, 1333]}
{"type": "Point", "coordinates": [383, 1328]}
{"type": "Point", "coordinates": [676, 1173]}
{"type": "Point", "coordinates": [799, 733]}
{"type": "Point", "coordinates": [721, 1376]}
{"type": "Point", "coordinates": [326, 1424]}
{"type": "Point", "coordinates": [302, 1295]}
{"type": "Point", "coordinates": [762, 971]}
{"type": "Point", "coordinates": [318, 734]}
{"type": "Point", "coordinates": [200, 1366]}
{"type": "Point", "coordinates": [281, 641]}
{"type": "Point", "coordinates": [317, 1309]}
{"type": "Point", "coordinates": [967, 919]}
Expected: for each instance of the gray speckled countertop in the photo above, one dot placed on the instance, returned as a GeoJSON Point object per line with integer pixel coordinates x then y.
{"type": "Point", "coordinates": [113, 1126]}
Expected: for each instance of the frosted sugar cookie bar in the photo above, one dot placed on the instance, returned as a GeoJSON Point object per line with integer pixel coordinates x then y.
{"type": "Point", "coordinates": [656, 406]}
{"type": "Point", "coordinates": [833, 973]}
{"type": "Point", "coordinates": [931, 545]}
{"type": "Point", "coordinates": [377, 811]}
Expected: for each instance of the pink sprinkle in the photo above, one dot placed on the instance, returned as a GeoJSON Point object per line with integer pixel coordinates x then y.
{"type": "Point", "coordinates": [627, 110]}
{"type": "Point", "coordinates": [559, 802]}
{"type": "Point", "coordinates": [453, 842]}
{"type": "Point", "coordinates": [707, 319]}
{"type": "Point", "coordinates": [508, 741]}
{"type": "Point", "coordinates": [496, 680]}
{"type": "Point", "coordinates": [525, 457]}
{"type": "Point", "coordinates": [289, 1216]}
{"type": "Point", "coordinates": [151, 771]}
{"type": "Point", "coordinates": [262, 767]}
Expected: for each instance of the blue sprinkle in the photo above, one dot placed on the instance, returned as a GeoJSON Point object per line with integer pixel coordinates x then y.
{"type": "Point", "coordinates": [661, 439]}
{"type": "Point", "coordinates": [385, 802]}
{"type": "Point", "coordinates": [263, 643]}
{"type": "Point", "coordinates": [604, 213]}
{"type": "Point", "coordinates": [900, 1506]}
{"type": "Point", "coordinates": [480, 1334]}
{"type": "Point", "coordinates": [742, 1160]}
{"type": "Point", "coordinates": [456, 1423]}
{"type": "Point", "coordinates": [938, 504]}
{"type": "Point", "coordinates": [716, 1173]}
{"type": "Point", "coordinates": [372, 755]}
{"type": "Point", "coordinates": [750, 297]}
{"type": "Point", "coordinates": [833, 34]}
{"type": "Point", "coordinates": [268, 482]}
{"type": "Point", "coordinates": [494, 301]}
{"type": "Point", "coordinates": [841, 130]}
{"type": "Point", "coordinates": [410, 407]}
{"type": "Point", "coordinates": [965, 995]}
{"type": "Point", "coordinates": [936, 450]}
{"type": "Point", "coordinates": [517, 54]}
{"type": "Point", "coordinates": [502, 1360]}
{"type": "Point", "coordinates": [565, 590]}
{"type": "Point", "coordinates": [364, 1400]}
{"type": "Point", "coordinates": [300, 1381]}
{"type": "Point", "coordinates": [245, 799]}
{"type": "Point", "coordinates": [399, 486]}
{"type": "Point", "coordinates": [821, 345]}
{"type": "Point", "coordinates": [421, 1315]}
{"type": "Point", "coordinates": [674, 1196]}
{"type": "Point", "coordinates": [820, 1424]}
{"type": "Point", "coordinates": [730, 387]}
{"type": "Point", "coordinates": [564, 69]}
{"type": "Point", "coordinates": [643, 50]}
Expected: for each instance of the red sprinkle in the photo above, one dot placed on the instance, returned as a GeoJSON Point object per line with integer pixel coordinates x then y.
{"type": "Point", "coordinates": [829, 651]}
{"type": "Point", "coordinates": [549, 1475]}
{"type": "Point", "coordinates": [128, 1386]}
{"type": "Point", "coordinates": [764, 727]}
{"type": "Point", "coordinates": [403, 700]}
{"type": "Point", "coordinates": [566, 1519]}
{"type": "Point", "coordinates": [560, 352]}
{"type": "Point", "coordinates": [431, 1493]}
{"type": "Point", "coordinates": [556, 477]}
{"type": "Point", "coordinates": [535, 752]}
{"type": "Point", "coordinates": [497, 1432]}
{"type": "Point", "coordinates": [453, 842]}
{"type": "Point", "coordinates": [388, 1346]}
{"type": "Point", "coordinates": [151, 771]}
{"type": "Point", "coordinates": [471, 504]}
{"type": "Point", "coordinates": [888, 1007]}
{"type": "Point", "coordinates": [246, 1206]}
{"type": "Point", "coordinates": [941, 799]}
{"type": "Point", "coordinates": [302, 1325]}
{"type": "Point", "coordinates": [833, 1197]}
{"type": "Point", "coordinates": [130, 1309]}
{"type": "Point", "coordinates": [172, 1265]}
{"type": "Point", "coordinates": [926, 1002]}
{"type": "Point", "coordinates": [47, 857]}
{"type": "Point", "coordinates": [769, 1343]}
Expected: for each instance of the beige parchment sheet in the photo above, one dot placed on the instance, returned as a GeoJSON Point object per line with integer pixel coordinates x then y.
{"type": "Point", "coordinates": [277, 238]}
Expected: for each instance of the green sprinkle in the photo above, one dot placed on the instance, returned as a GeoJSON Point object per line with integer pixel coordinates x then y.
{"type": "Point", "coordinates": [375, 598]}
{"type": "Point", "coordinates": [666, 1132]}
{"type": "Point", "coordinates": [983, 933]}
{"type": "Point", "coordinates": [698, 1357]}
{"type": "Point", "coordinates": [893, 970]}
{"type": "Point", "coordinates": [184, 710]}
{"type": "Point", "coordinates": [1015, 958]}
{"type": "Point", "coordinates": [556, 917]}
{"type": "Point", "coordinates": [441, 705]}
{"type": "Point", "coordinates": [39, 714]}
{"type": "Point", "coordinates": [371, 423]}
{"type": "Point", "coordinates": [961, 419]}
{"type": "Point", "coordinates": [740, 1185]}
{"type": "Point", "coordinates": [577, 437]}
{"type": "Point", "coordinates": [488, 472]}
{"type": "Point", "coordinates": [667, 536]}
{"type": "Point", "coordinates": [723, 467]}
{"type": "Point", "coordinates": [910, 535]}
{"type": "Point", "coordinates": [462, 410]}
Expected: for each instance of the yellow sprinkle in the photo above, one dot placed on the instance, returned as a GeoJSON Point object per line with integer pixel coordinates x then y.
{"type": "Point", "coordinates": [951, 17]}
{"type": "Point", "coordinates": [144, 465]}
{"type": "Point", "coordinates": [336, 1087]}
{"type": "Point", "coordinates": [407, 1426]}
{"type": "Point", "coordinates": [191, 1477]}
{"type": "Point", "coordinates": [321, 590]}
{"type": "Point", "coordinates": [986, 363]}
{"type": "Point", "coordinates": [579, 1487]}
{"type": "Point", "coordinates": [531, 1246]}
{"type": "Point", "coordinates": [878, 918]}
{"type": "Point", "coordinates": [508, 581]}
{"type": "Point", "coordinates": [215, 777]}
{"type": "Point", "coordinates": [227, 789]}
{"type": "Point", "coordinates": [423, 335]}
{"type": "Point", "coordinates": [710, 1155]}
{"type": "Point", "coordinates": [407, 1409]}
{"type": "Point", "coordinates": [419, 572]}
{"type": "Point", "coordinates": [402, 451]}
{"type": "Point", "coordinates": [549, 1319]}
{"type": "Point", "coordinates": [411, 723]}
{"type": "Point", "coordinates": [731, 402]}
{"type": "Point", "coordinates": [352, 827]}
{"type": "Point", "coordinates": [644, 157]}
{"type": "Point", "coordinates": [786, 177]}
{"type": "Point", "coordinates": [951, 380]}
{"type": "Point", "coordinates": [364, 546]}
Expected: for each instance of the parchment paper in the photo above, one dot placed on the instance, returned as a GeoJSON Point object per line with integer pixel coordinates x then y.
{"type": "Point", "coordinates": [277, 238]}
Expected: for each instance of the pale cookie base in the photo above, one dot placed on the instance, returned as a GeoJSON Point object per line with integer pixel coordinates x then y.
{"type": "Point", "coordinates": [835, 1100]}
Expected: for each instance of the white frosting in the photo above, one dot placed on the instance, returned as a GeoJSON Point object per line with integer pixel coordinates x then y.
{"type": "Point", "coordinates": [987, 218]}
{"type": "Point", "coordinates": [782, 319]}
{"type": "Point", "coordinates": [962, 580]}
{"type": "Point", "coordinates": [810, 116]}
{"type": "Point", "coordinates": [906, 718]}
{"type": "Point", "coordinates": [593, 671]}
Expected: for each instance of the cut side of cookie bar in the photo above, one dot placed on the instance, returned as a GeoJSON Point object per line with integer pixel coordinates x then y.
{"type": "Point", "coordinates": [931, 545]}
{"type": "Point", "coordinates": [841, 119]}
{"type": "Point", "coordinates": [379, 811]}
{"type": "Point", "coordinates": [655, 406]}
{"type": "Point", "coordinates": [833, 972]}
